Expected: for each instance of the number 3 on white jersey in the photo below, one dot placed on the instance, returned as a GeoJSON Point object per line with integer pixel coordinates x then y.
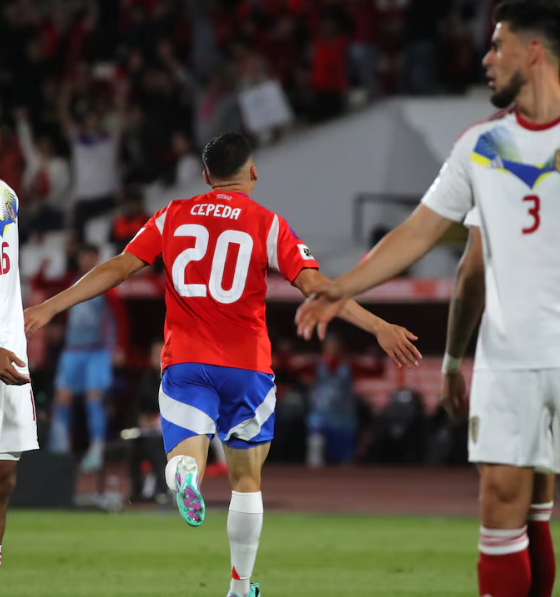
{"type": "Point", "coordinates": [196, 253]}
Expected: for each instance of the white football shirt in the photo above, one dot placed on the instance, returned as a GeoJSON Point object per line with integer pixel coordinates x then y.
{"type": "Point", "coordinates": [12, 331]}
{"type": "Point", "coordinates": [509, 170]}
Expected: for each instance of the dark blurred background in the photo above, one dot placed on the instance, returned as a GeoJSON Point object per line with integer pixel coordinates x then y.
{"type": "Point", "coordinates": [106, 107]}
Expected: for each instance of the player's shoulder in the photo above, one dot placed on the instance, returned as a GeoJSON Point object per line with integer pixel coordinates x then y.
{"type": "Point", "coordinates": [9, 202]}
{"type": "Point", "coordinates": [483, 126]}
{"type": "Point", "coordinates": [6, 189]}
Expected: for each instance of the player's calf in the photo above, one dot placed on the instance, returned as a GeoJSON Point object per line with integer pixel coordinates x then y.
{"type": "Point", "coordinates": [7, 486]}
{"type": "Point", "coordinates": [504, 568]}
{"type": "Point", "coordinates": [541, 549]}
{"type": "Point", "coordinates": [245, 517]}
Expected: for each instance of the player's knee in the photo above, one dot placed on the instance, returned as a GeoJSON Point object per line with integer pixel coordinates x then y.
{"type": "Point", "coordinates": [494, 493]}
{"type": "Point", "coordinates": [7, 482]}
{"type": "Point", "coordinates": [502, 505]}
{"type": "Point", "coordinates": [63, 397]}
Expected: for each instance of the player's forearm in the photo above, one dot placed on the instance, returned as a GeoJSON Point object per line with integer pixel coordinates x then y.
{"type": "Point", "coordinates": [467, 305]}
{"type": "Point", "coordinates": [98, 281]}
{"type": "Point", "coordinates": [361, 318]}
{"type": "Point", "coordinates": [396, 252]}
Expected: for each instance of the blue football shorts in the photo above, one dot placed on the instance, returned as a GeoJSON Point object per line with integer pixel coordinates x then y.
{"type": "Point", "coordinates": [84, 371]}
{"type": "Point", "coordinates": [197, 399]}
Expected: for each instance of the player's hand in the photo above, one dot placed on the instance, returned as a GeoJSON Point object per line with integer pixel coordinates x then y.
{"type": "Point", "coordinates": [8, 373]}
{"type": "Point", "coordinates": [396, 341]}
{"type": "Point", "coordinates": [36, 318]}
{"type": "Point", "coordinates": [324, 304]}
{"type": "Point", "coordinates": [454, 397]}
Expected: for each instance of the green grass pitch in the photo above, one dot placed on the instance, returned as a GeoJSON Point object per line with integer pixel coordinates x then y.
{"type": "Point", "coordinates": [57, 554]}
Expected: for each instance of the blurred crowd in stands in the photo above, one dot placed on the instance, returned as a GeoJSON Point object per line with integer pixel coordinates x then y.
{"type": "Point", "coordinates": [103, 98]}
{"type": "Point", "coordinates": [107, 96]}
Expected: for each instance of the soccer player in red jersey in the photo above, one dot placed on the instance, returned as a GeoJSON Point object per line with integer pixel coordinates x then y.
{"type": "Point", "coordinates": [217, 376]}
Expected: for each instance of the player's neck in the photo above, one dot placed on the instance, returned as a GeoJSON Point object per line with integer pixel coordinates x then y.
{"type": "Point", "coordinates": [232, 187]}
{"type": "Point", "coordinates": [539, 102]}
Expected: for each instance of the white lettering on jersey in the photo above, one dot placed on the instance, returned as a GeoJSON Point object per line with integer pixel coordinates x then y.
{"type": "Point", "coordinates": [217, 211]}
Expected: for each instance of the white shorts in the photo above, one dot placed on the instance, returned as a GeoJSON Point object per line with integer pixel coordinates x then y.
{"type": "Point", "coordinates": [514, 418]}
{"type": "Point", "coordinates": [18, 425]}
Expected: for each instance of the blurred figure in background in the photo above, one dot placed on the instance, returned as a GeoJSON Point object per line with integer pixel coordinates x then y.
{"type": "Point", "coordinates": [85, 365]}
{"type": "Point", "coordinates": [132, 217]}
{"type": "Point", "coordinates": [329, 75]}
{"type": "Point", "coordinates": [333, 424]}
{"type": "Point", "coordinates": [94, 142]}
{"type": "Point", "coordinates": [46, 180]}
{"type": "Point", "coordinates": [148, 446]}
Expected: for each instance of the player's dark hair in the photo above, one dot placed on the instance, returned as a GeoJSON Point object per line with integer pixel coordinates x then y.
{"type": "Point", "coordinates": [225, 155]}
{"type": "Point", "coordinates": [535, 16]}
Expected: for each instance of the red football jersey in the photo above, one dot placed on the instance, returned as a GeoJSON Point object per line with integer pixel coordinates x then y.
{"type": "Point", "coordinates": [217, 249]}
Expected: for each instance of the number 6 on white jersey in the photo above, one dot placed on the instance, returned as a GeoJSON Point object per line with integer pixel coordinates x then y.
{"type": "Point", "coordinates": [196, 253]}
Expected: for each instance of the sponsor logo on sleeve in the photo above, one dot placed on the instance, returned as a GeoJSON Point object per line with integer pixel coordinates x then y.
{"type": "Point", "coordinates": [306, 253]}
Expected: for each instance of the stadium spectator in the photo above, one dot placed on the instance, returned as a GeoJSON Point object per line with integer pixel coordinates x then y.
{"type": "Point", "coordinates": [46, 181]}
{"type": "Point", "coordinates": [147, 446]}
{"type": "Point", "coordinates": [131, 219]}
{"type": "Point", "coordinates": [333, 424]}
{"type": "Point", "coordinates": [96, 336]}
{"type": "Point", "coordinates": [329, 75]}
{"type": "Point", "coordinates": [94, 142]}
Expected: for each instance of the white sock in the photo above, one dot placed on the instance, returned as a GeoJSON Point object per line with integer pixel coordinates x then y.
{"type": "Point", "coordinates": [244, 527]}
{"type": "Point", "coordinates": [171, 473]}
{"type": "Point", "coordinates": [0, 555]}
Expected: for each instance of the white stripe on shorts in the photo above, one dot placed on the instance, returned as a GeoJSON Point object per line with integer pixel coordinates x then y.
{"type": "Point", "coordinates": [250, 428]}
{"type": "Point", "coordinates": [184, 415]}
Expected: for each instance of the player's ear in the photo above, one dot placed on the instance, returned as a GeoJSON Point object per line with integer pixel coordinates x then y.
{"type": "Point", "coordinates": [536, 52]}
{"type": "Point", "coordinates": [254, 175]}
{"type": "Point", "coordinates": [206, 178]}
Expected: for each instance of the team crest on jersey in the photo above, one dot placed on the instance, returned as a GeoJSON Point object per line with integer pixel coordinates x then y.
{"type": "Point", "coordinates": [557, 160]}
{"type": "Point", "coordinates": [474, 426]}
{"type": "Point", "coordinates": [8, 210]}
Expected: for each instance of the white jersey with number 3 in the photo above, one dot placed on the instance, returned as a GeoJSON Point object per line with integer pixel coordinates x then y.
{"type": "Point", "coordinates": [12, 335]}
{"type": "Point", "coordinates": [509, 169]}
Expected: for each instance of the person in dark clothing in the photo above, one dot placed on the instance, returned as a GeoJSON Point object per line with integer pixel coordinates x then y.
{"type": "Point", "coordinates": [147, 447]}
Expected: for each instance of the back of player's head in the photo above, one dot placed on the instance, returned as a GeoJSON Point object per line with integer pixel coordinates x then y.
{"type": "Point", "coordinates": [541, 17]}
{"type": "Point", "coordinates": [225, 155]}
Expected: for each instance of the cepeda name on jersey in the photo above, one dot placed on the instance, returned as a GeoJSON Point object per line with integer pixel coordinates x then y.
{"type": "Point", "coordinates": [218, 211]}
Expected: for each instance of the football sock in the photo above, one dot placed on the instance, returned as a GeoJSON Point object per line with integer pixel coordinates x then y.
{"type": "Point", "coordinates": [59, 440]}
{"type": "Point", "coordinates": [96, 421]}
{"type": "Point", "coordinates": [504, 568]}
{"type": "Point", "coordinates": [244, 527]}
{"type": "Point", "coordinates": [541, 550]}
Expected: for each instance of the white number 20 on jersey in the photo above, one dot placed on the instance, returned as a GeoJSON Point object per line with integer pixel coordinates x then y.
{"type": "Point", "coordinates": [196, 253]}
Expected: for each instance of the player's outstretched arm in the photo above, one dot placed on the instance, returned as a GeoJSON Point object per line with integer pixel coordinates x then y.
{"type": "Point", "coordinates": [396, 252]}
{"type": "Point", "coordinates": [465, 310]}
{"type": "Point", "coordinates": [99, 280]}
{"type": "Point", "coordinates": [396, 341]}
